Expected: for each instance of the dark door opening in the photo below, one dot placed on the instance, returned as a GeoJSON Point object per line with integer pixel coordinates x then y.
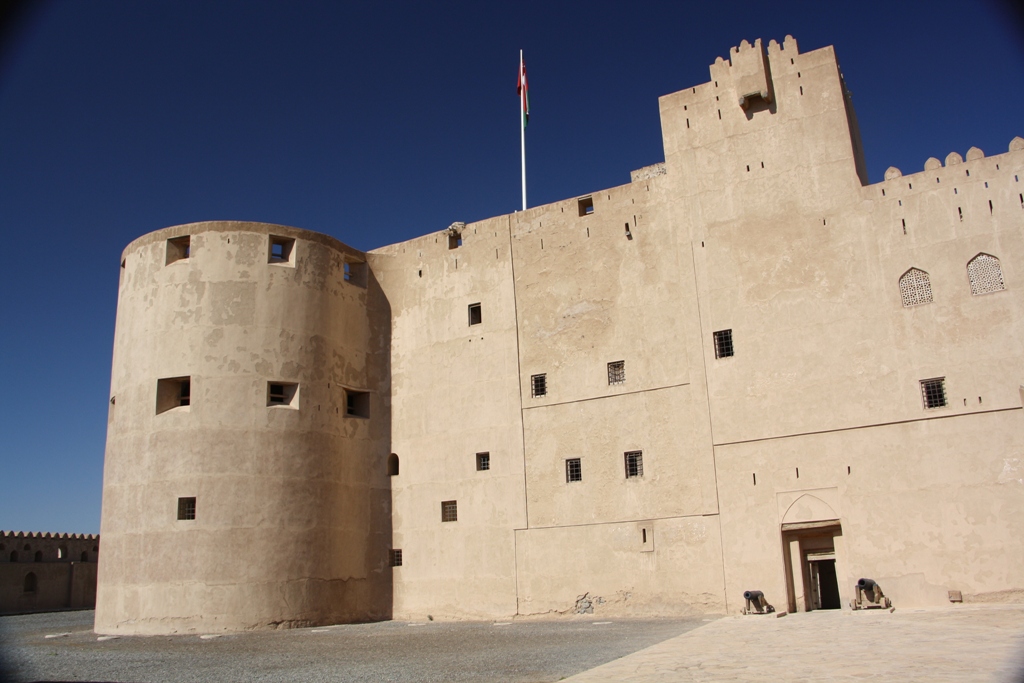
{"type": "Point", "coordinates": [828, 586]}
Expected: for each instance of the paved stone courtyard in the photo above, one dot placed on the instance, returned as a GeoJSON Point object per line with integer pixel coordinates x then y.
{"type": "Point", "coordinates": [964, 643]}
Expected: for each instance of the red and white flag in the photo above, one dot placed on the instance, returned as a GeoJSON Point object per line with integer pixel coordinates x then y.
{"type": "Point", "coordinates": [524, 94]}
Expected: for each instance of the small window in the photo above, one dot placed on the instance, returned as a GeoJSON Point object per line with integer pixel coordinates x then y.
{"type": "Point", "coordinates": [355, 273]}
{"type": "Point", "coordinates": [281, 249]}
{"type": "Point", "coordinates": [187, 508]}
{"type": "Point", "coordinates": [173, 392]}
{"type": "Point", "coordinates": [357, 403]}
{"type": "Point", "coordinates": [449, 511]}
{"type": "Point", "coordinates": [395, 557]}
{"type": "Point", "coordinates": [538, 385]}
{"type": "Point", "coordinates": [634, 464]}
{"type": "Point", "coordinates": [586, 205]}
{"type": "Point", "coordinates": [283, 394]}
{"type": "Point", "coordinates": [483, 462]}
{"type": "Point", "coordinates": [617, 372]}
{"type": "Point", "coordinates": [933, 392]}
{"type": "Point", "coordinates": [915, 288]}
{"type": "Point", "coordinates": [14, 556]}
{"type": "Point", "coordinates": [178, 249]}
{"type": "Point", "coordinates": [985, 274]}
{"type": "Point", "coordinates": [85, 556]}
{"type": "Point", "coordinates": [39, 556]}
{"type": "Point", "coordinates": [475, 314]}
{"type": "Point", "coordinates": [573, 470]}
{"type": "Point", "coordinates": [392, 465]}
{"type": "Point", "coordinates": [31, 583]}
{"type": "Point", "coordinates": [723, 344]}
{"type": "Point", "coordinates": [62, 553]}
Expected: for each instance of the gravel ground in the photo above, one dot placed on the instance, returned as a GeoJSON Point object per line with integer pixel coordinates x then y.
{"type": "Point", "coordinates": [62, 647]}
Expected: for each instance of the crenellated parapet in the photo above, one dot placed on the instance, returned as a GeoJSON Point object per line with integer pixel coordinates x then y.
{"type": "Point", "coordinates": [36, 546]}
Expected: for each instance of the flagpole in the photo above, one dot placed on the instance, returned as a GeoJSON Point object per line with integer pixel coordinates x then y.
{"type": "Point", "coordinates": [522, 126]}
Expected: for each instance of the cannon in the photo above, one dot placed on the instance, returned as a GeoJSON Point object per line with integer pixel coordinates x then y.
{"type": "Point", "coordinates": [756, 604]}
{"type": "Point", "coordinates": [869, 596]}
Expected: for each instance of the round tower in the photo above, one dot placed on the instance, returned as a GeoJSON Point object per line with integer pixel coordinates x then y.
{"type": "Point", "coordinates": [245, 480]}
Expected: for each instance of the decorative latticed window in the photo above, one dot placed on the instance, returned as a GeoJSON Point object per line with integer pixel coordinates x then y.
{"type": "Point", "coordinates": [915, 288]}
{"type": "Point", "coordinates": [933, 392]}
{"type": "Point", "coordinates": [573, 470]}
{"type": "Point", "coordinates": [449, 511]}
{"type": "Point", "coordinates": [985, 274]}
{"type": "Point", "coordinates": [617, 372]}
{"type": "Point", "coordinates": [634, 464]}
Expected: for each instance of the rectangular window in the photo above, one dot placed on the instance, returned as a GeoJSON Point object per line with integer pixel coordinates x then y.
{"type": "Point", "coordinates": [395, 557]}
{"type": "Point", "coordinates": [178, 249]}
{"type": "Point", "coordinates": [483, 462]}
{"type": "Point", "coordinates": [586, 205]}
{"type": "Point", "coordinates": [281, 249]}
{"type": "Point", "coordinates": [538, 385]}
{"type": "Point", "coordinates": [723, 344]}
{"type": "Point", "coordinates": [355, 273]}
{"type": "Point", "coordinates": [357, 403]}
{"type": "Point", "coordinates": [634, 464]}
{"type": "Point", "coordinates": [283, 394]}
{"type": "Point", "coordinates": [173, 392]}
{"type": "Point", "coordinates": [187, 508]}
{"type": "Point", "coordinates": [449, 511]}
{"type": "Point", "coordinates": [475, 314]}
{"type": "Point", "coordinates": [573, 470]}
{"type": "Point", "coordinates": [617, 372]}
{"type": "Point", "coordinates": [933, 391]}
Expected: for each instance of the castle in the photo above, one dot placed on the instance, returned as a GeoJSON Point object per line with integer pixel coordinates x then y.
{"type": "Point", "coordinates": [41, 572]}
{"type": "Point", "coordinates": [747, 369]}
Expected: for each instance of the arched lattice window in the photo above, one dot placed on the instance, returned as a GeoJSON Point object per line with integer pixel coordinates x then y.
{"type": "Point", "coordinates": [985, 274]}
{"type": "Point", "coordinates": [915, 288]}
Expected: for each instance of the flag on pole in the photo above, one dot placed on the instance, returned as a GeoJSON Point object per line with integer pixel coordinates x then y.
{"type": "Point", "coordinates": [524, 95]}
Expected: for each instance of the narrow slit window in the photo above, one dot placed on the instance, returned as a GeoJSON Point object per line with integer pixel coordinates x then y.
{"type": "Point", "coordinates": [283, 394]}
{"type": "Point", "coordinates": [476, 315]}
{"type": "Point", "coordinates": [395, 557]}
{"type": "Point", "coordinates": [985, 274]}
{"type": "Point", "coordinates": [449, 511]}
{"type": "Point", "coordinates": [173, 392]}
{"type": "Point", "coordinates": [281, 249]}
{"type": "Point", "coordinates": [723, 344]}
{"type": "Point", "coordinates": [178, 249]}
{"type": "Point", "coordinates": [483, 462]}
{"type": "Point", "coordinates": [617, 372]}
{"type": "Point", "coordinates": [573, 470]}
{"type": "Point", "coordinates": [357, 403]}
{"type": "Point", "coordinates": [634, 464]}
{"type": "Point", "coordinates": [915, 288]}
{"type": "Point", "coordinates": [585, 205]}
{"type": "Point", "coordinates": [187, 508]}
{"type": "Point", "coordinates": [538, 385]}
{"type": "Point", "coordinates": [933, 392]}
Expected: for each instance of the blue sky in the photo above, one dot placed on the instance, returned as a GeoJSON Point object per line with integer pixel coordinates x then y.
{"type": "Point", "coordinates": [375, 123]}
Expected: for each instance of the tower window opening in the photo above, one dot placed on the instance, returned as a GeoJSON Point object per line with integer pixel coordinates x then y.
{"type": "Point", "coordinates": [538, 385]}
{"type": "Point", "coordinates": [617, 372]}
{"type": "Point", "coordinates": [449, 511]}
{"type": "Point", "coordinates": [173, 392]}
{"type": "Point", "coordinates": [483, 462]}
{"type": "Point", "coordinates": [915, 288]}
{"type": "Point", "coordinates": [723, 344]}
{"type": "Point", "coordinates": [475, 314]}
{"type": "Point", "coordinates": [634, 461]}
{"type": "Point", "coordinates": [395, 557]}
{"type": "Point", "coordinates": [282, 394]}
{"type": "Point", "coordinates": [178, 249]}
{"type": "Point", "coordinates": [281, 249]}
{"type": "Point", "coordinates": [585, 205]}
{"type": "Point", "coordinates": [393, 465]}
{"type": "Point", "coordinates": [357, 403]}
{"type": "Point", "coordinates": [573, 470]}
{"type": "Point", "coordinates": [933, 392]}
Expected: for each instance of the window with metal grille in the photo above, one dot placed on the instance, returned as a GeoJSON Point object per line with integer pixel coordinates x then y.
{"type": "Point", "coordinates": [617, 372]}
{"type": "Point", "coordinates": [475, 314]}
{"type": "Point", "coordinates": [723, 344]}
{"type": "Point", "coordinates": [634, 464]}
{"type": "Point", "coordinates": [483, 461]}
{"type": "Point", "coordinates": [395, 557]}
{"type": "Point", "coordinates": [187, 508]}
{"type": "Point", "coordinates": [538, 385]}
{"type": "Point", "coordinates": [915, 288]}
{"type": "Point", "coordinates": [985, 274]}
{"type": "Point", "coordinates": [573, 470]}
{"type": "Point", "coordinates": [449, 511]}
{"type": "Point", "coordinates": [933, 392]}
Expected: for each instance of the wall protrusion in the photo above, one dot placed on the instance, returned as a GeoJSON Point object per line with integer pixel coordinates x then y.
{"type": "Point", "coordinates": [952, 159]}
{"type": "Point", "coordinates": [932, 164]}
{"type": "Point", "coordinates": [1017, 144]}
{"type": "Point", "coordinates": [893, 172]}
{"type": "Point", "coordinates": [975, 153]}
